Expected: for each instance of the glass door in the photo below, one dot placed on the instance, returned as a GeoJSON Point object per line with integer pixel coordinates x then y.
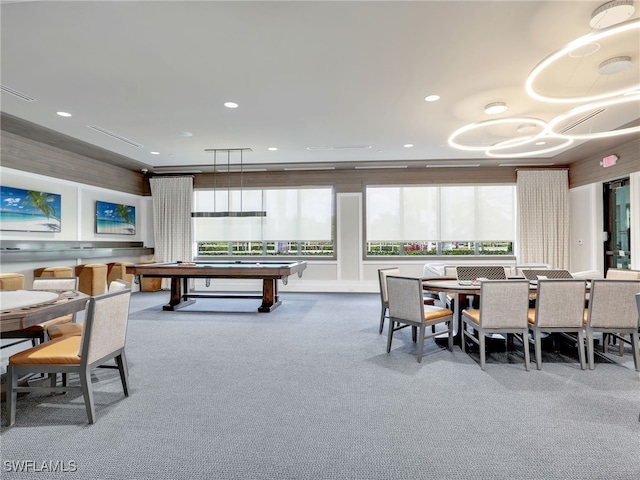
{"type": "Point", "coordinates": [617, 224]}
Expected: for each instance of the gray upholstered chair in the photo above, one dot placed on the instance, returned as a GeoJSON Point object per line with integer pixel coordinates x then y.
{"type": "Point", "coordinates": [559, 308]}
{"type": "Point", "coordinates": [384, 298]}
{"type": "Point", "coordinates": [407, 309]}
{"type": "Point", "coordinates": [75, 328]}
{"type": "Point", "coordinates": [613, 311]}
{"type": "Point", "coordinates": [535, 273]}
{"type": "Point", "coordinates": [103, 339]}
{"type": "Point", "coordinates": [504, 308]}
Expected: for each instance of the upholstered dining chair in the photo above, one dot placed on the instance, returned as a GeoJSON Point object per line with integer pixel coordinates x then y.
{"type": "Point", "coordinates": [102, 339]}
{"type": "Point", "coordinates": [75, 328]}
{"type": "Point", "coordinates": [504, 308]}
{"type": "Point", "coordinates": [38, 333]}
{"type": "Point", "coordinates": [384, 298]}
{"type": "Point", "coordinates": [559, 308]}
{"type": "Point", "coordinates": [535, 273]}
{"type": "Point", "coordinates": [407, 309]}
{"type": "Point", "coordinates": [613, 311]}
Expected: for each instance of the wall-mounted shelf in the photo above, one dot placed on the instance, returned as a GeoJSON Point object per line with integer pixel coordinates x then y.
{"type": "Point", "coordinates": [35, 251]}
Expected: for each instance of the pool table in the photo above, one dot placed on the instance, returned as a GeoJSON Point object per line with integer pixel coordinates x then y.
{"type": "Point", "coordinates": [180, 273]}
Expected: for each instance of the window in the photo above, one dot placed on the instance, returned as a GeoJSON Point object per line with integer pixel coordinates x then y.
{"type": "Point", "coordinates": [299, 222]}
{"type": "Point", "coordinates": [440, 220]}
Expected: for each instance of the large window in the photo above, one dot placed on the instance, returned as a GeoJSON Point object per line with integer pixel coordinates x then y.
{"type": "Point", "coordinates": [440, 220]}
{"type": "Point", "coordinates": [298, 222]}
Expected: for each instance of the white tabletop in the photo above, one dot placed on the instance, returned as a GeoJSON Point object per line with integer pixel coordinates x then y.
{"type": "Point", "coordinates": [11, 299]}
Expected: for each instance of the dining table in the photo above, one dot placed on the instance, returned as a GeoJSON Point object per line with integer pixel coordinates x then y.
{"type": "Point", "coordinates": [21, 309]}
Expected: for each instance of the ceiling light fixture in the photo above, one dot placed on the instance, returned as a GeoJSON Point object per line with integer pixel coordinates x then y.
{"type": "Point", "coordinates": [272, 149]}
{"type": "Point", "coordinates": [408, 145]}
{"type": "Point", "coordinates": [509, 144]}
{"type": "Point", "coordinates": [495, 108]}
{"type": "Point", "coordinates": [614, 65]}
{"type": "Point", "coordinates": [184, 133]}
{"type": "Point", "coordinates": [230, 104]}
{"type": "Point", "coordinates": [154, 153]}
{"type": "Point", "coordinates": [490, 123]}
{"type": "Point", "coordinates": [63, 114]}
{"type": "Point", "coordinates": [432, 98]}
{"type": "Point", "coordinates": [527, 128]}
{"type": "Point", "coordinates": [228, 213]}
{"type": "Point", "coordinates": [611, 13]}
{"type": "Point", "coordinates": [572, 46]}
{"type": "Point", "coordinates": [453, 165]}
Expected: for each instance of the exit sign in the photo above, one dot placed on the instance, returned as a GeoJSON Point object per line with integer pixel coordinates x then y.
{"type": "Point", "coordinates": [609, 161]}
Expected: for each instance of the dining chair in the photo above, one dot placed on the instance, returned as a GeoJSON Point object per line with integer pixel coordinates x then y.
{"type": "Point", "coordinates": [535, 273]}
{"type": "Point", "coordinates": [384, 297]}
{"type": "Point", "coordinates": [529, 266]}
{"type": "Point", "coordinates": [613, 311]}
{"type": "Point", "coordinates": [75, 328]}
{"type": "Point", "coordinates": [102, 339]}
{"type": "Point", "coordinates": [407, 309]}
{"type": "Point", "coordinates": [559, 308]}
{"type": "Point", "coordinates": [38, 333]}
{"type": "Point", "coordinates": [504, 308]}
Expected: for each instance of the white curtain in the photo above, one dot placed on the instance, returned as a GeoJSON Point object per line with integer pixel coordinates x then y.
{"type": "Point", "coordinates": [172, 231]}
{"type": "Point", "coordinates": [543, 212]}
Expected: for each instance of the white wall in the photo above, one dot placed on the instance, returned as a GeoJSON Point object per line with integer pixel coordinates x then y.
{"type": "Point", "coordinates": [77, 217]}
{"type": "Point", "coordinates": [587, 226]}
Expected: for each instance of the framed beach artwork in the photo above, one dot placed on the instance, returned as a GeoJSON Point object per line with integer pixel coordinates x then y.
{"type": "Point", "coordinates": [115, 218]}
{"type": "Point", "coordinates": [29, 210]}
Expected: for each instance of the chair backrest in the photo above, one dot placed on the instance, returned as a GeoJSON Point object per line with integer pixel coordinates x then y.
{"type": "Point", "coordinates": [530, 266]}
{"type": "Point", "coordinates": [105, 326]}
{"type": "Point", "coordinates": [560, 303]}
{"type": "Point", "coordinates": [553, 273]}
{"type": "Point", "coordinates": [450, 271]}
{"type": "Point", "coordinates": [55, 283]}
{"type": "Point", "coordinates": [118, 285]}
{"type": "Point", "coordinates": [472, 272]}
{"type": "Point", "coordinates": [405, 299]}
{"type": "Point", "coordinates": [504, 303]}
{"type": "Point", "coordinates": [612, 303]}
{"type": "Point", "coordinates": [619, 273]}
{"type": "Point", "coordinates": [383, 273]}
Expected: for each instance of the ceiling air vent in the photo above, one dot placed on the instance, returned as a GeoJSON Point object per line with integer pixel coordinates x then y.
{"type": "Point", "coordinates": [16, 93]}
{"type": "Point", "coordinates": [580, 121]}
{"type": "Point", "coordinates": [115, 135]}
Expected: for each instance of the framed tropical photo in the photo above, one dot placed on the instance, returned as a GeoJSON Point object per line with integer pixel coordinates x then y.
{"type": "Point", "coordinates": [115, 218]}
{"type": "Point", "coordinates": [29, 211]}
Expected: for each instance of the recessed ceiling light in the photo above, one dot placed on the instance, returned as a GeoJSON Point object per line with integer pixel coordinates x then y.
{"type": "Point", "coordinates": [495, 108]}
{"type": "Point", "coordinates": [184, 133]}
{"type": "Point", "coordinates": [230, 104]}
{"type": "Point", "coordinates": [611, 13]}
{"type": "Point", "coordinates": [64, 114]}
{"type": "Point", "coordinates": [614, 65]}
{"type": "Point", "coordinates": [154, 153]}
{"type": "Point", "coordinates": [272, 149]}
{"type": "Point", "coordinates": [408, 145]}
{"type": "Point", "coordinates": [540, 143]}
{"type": "Point", "coordinates": [432, 98]}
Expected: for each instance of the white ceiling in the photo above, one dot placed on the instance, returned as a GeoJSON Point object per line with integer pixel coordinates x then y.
{"type": "Point", "coordinates": [305, 74]}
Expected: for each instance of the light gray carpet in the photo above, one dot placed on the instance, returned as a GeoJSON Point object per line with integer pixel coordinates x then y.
{"type": "Point", "coordinates": [219, 391]}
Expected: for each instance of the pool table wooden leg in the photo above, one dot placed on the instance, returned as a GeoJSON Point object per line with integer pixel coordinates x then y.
{"type": "Point", "coordinates": [270, 300]}
{"type": "Point", "coordinates": [177, 301]}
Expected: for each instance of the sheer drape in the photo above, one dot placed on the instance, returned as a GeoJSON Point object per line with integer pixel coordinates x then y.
{"type": "Point", "coordinates": [172, 233]}
{"type": "Point", "coordinates": [543, 212]}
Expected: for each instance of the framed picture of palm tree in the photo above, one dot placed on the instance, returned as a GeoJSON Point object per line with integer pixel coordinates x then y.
{"type": "Point", "coordinates": [115, 218]}
{"type": "Point", "coordinates": [29, 210]}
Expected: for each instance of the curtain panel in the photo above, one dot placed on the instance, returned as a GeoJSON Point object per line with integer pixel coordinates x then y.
{"type": "Point", "coordinates": [172, 232]}
{"type": "Point", "coordinates": [543, 212]}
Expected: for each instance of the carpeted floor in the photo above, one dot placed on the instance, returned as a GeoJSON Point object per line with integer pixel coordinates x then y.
{"type": "Point", "coordinates": [219, 391]}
